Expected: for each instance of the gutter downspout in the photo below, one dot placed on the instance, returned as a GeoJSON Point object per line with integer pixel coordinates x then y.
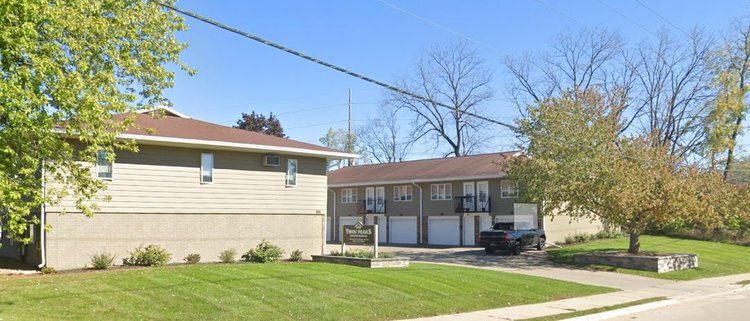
{"type": "Point", "coordinates": [333, 218]}
{"type": "Point", "coordinates": [421, 218]}
{"type": "Point", "coordinates": [43, 225]}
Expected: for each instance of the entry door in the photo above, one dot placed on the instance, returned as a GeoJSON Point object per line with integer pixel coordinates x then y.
{"type": "Point", "coordinates": [370, 199]}
{"type": "Point", "coordinates": [483, 199]}
{"type": "Point", "coordinates": [380, 199]}
{"type": "Point", "coordinates": [469, 196]}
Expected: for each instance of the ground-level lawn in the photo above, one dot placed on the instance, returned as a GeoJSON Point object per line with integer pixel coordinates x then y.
{"type": "Point", "coordinates": [283, 291]}
{"type": "Point", "coordinates": [714, 259]}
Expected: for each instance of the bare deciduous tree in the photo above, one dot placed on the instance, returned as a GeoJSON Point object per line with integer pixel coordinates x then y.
{"type": "Point", "coordinates": [452, 75]}
{"type": "Point", "coordinates": [382, 139]}
{"type": "Point", "coordinates": [672, 91]}
{"type": "Point", "coordinates": [575, 63]}
{"type": "Point", "coordinates": [662, 88]}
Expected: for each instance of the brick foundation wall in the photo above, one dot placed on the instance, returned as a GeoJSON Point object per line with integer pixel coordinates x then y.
{"type": "Point", "coordinates": [74, 238]}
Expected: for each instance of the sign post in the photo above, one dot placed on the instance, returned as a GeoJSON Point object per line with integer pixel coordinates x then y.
{"type": "Point", "coordinates": [360, 234]}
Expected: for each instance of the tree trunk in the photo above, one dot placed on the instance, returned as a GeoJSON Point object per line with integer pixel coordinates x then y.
{"type": "Point", "coordinates": [635, 243]}
{"type": "Point", "coordinates": [730, 150]}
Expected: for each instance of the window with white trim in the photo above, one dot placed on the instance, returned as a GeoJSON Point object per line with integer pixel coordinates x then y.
{"type": "Point", "coordinates": [103, 165]}
{"type": "Point", "coordinates": [291, 172]}
{"type": "Point", "coordinates": [441, 191]}
{"type": "Point", "coordinates": [348, 195]}
{"type": "Point", "coordinates": [508, 189]}
{"type": "Point", "coordinates": [402, 193]}
{"type": "Point", "coordinates": [207, 168]}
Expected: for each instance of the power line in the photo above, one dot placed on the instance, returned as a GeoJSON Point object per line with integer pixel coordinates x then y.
{"type": "Point", "coordinates": [626, 17]}
{"type": "Point", "coordinates": [560, 12]}
{"type": "Point", "coordinates": [326, 64]}
{"type": "Point", "coordinates": [371, 80]}
{"type": "Point", "coordinates": [310, 109]}
{"type": "Point", "coordinates": [441, 26]}
{"type": "Point", "coordinates": [662, 17]}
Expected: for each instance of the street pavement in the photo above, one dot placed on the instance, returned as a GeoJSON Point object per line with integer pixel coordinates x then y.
{"type": "Point", "coordinates": [727, 306]}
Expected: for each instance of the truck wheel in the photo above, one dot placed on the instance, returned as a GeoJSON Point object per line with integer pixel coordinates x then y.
{"type": "Point", "coordinates": [489, 250]}
{"type": "Point", "coordinates": [541, 244]}
{"type": "Point", "coordinates": [516, 249]}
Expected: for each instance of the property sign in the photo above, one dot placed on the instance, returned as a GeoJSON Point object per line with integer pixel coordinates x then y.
{"type": "Point", "coordinates": [359, 234]}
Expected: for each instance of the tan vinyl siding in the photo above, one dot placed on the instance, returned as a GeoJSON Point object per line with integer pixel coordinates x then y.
{"type": "Point", "coordinates": [167, 180]}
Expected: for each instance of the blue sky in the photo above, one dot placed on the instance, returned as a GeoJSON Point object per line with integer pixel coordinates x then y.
{"type": "Point", "coordinates": [236, 75]}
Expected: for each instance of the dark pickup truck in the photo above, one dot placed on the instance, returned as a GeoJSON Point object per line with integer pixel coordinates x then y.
{"type": "Point", "coordinates": [504, 236]}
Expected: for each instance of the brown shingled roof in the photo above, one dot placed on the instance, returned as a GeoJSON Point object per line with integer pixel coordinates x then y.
{"type": "Point", "coordinates": [485, 165]}
{"type": "Point", "coordinates": [187, 128]}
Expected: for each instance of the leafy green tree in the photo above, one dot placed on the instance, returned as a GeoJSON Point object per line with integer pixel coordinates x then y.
{"type": "Point", "coordinates": [259, 123]}
{"type": "Point", "coordinates": [578, 164]}
{"type": "Point", "coordinates": [66, 68]}
{"type": "Point", "coordinates": [338, 139]}
{"type": "Point", "coordinates": [724, 124]}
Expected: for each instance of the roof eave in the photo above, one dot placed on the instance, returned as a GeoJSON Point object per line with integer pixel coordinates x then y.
{"type": "Point", "coordinates": [418, 180]}
{"type": "Point", "coordinates": [222, 145]}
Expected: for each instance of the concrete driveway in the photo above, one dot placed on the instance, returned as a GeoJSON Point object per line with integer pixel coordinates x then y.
{"type": "Point", "coordinates": [531, 259]}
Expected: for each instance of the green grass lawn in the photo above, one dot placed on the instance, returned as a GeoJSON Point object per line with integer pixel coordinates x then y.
{"type": "Point", "coordinates": [714, 259]}
{"type": "Point", "coordinates": [283, 291]}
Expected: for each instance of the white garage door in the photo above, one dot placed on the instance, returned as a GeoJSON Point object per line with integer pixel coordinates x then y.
{"type": "Point", "coordinates": [382, 229]}
{"type": "Point", "coordinates": [443, 230]}
{"type": "Point", "coordinates": [347, 220]}
{"type": "Point", "coordinates": [403, 230]}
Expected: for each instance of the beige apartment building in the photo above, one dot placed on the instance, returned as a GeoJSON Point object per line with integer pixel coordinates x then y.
{"type": "Point", "coordinates": [193, 187]}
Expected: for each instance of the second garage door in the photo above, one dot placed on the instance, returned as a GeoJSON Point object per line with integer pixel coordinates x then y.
{"type": "Point", "coordinates": [403, 230]}
{"type": "Point", "coordinates": [443, 230]}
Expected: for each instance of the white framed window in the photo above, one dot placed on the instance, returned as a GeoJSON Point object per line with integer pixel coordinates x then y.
{"type": "Point", "coordinates": [348, 195]}
{"type": "Point", "coordinates": [440, 192]}
{"type": "Point", "coordinates": [508, 189]}
{"type": "Point", "coordinates": [103, 165]}
{"type": "Point", "coordinates": [402, 193]}
{"type": "Point", "coordinates": [207, 168]}
{"type": "Point", "coordinates": [291, 172]}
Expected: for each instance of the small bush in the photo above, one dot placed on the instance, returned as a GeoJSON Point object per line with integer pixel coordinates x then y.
{"type": "Point", "coordinates": [582, 237]}
{"type": "Point", "coordinates": [570, 239]}
{"type": "Point", "coordinates": [152, 255]}
{"type": "Point", "coordinates": [603, 234]}
{"type": "Point", "coordinates": [362, 254]}
{"type": "Point", "coordinates": [48, 270]}
{"type": "Point", "coordinates": [192, 258]}
{"type": "Point", "coordinates": [296, 255]}
{"type": "Point", "coordinates": [265, 252]}
{"type": "Point", "coordinates": [102, 261]}
{"type": "Point", "coordinates": [228, 256]}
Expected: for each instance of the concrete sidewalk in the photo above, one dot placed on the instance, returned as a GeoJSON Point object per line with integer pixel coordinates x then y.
{"type": "Point", "coordinates": [633, 288]}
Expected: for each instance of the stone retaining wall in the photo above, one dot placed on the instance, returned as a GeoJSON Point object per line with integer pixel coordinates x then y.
{"type": "Point", "coordinates": [656, 263]}
{"type": "Point", "coordinates": [363, 262]}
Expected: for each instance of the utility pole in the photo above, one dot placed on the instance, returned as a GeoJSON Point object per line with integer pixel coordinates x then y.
{"type": "Point", "coordinates": [349, 133]}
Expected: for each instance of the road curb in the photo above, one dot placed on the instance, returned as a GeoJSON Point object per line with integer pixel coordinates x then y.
{"type": "Point", "coordinates": [625, 311]}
